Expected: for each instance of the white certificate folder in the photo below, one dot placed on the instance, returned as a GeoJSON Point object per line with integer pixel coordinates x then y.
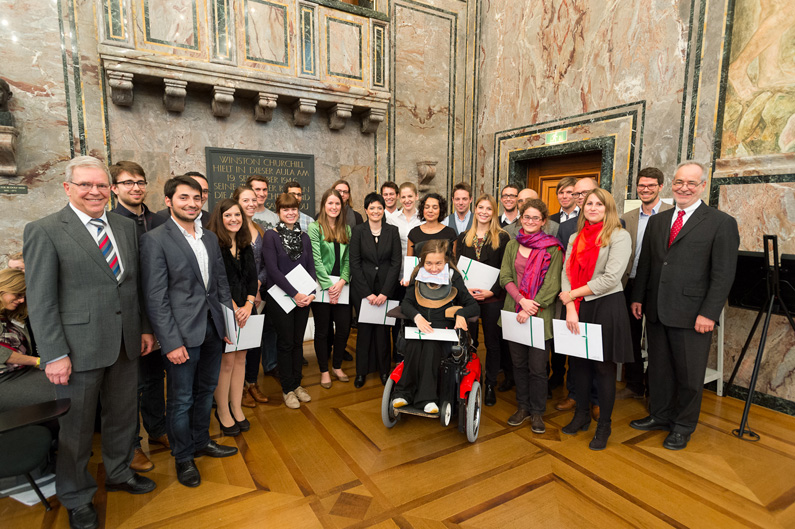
{"type": "Point", "coordinates": [477, 276]}
{"type": "Point", "coordinates": [375, 314]}
{"type": "Point", "coordinates": [438, 335]}
{"type": "Point", "coordinates": [300, 279]}
{"type": "Point", "coordinates": [529, 333]}
{"type": "Point", "coordinates": [587, 344]}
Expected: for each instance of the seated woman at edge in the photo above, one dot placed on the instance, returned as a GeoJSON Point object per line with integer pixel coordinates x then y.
{"type": "Point", "coordinates": [436, 298]}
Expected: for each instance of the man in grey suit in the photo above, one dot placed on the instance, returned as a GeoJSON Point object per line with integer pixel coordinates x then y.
{"type": "Point", "coordinates": [649, 184]}
{"type": "Point", "coordinates": [185, 286]}
{"type": "Point", "coordinates": [83, 294]}
{"type": "Point", "coordinates": [686, 269]}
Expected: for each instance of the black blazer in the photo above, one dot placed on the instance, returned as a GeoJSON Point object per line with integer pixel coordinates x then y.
{"type": "Point", "coordinates": [488, 256]}
{"type": "Point", "coordinates": [374, 269]}
{"type": "Point", "coordinates": [692, 277]}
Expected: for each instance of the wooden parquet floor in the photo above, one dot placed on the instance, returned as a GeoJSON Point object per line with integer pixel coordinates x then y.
{"type": "Point", "coordinates": [333, 464]}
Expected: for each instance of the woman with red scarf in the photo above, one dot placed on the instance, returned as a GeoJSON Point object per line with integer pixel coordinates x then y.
{"type": "Point", "coordinates": [592, 292]}
{"type": "Point", "coordinates": [530, 273]}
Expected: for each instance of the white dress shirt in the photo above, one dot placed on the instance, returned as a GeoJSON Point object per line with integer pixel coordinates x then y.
{"type": "Point", "coordinates": [199, 250]}
{"type": "Point", "coordinates": [404, 226]}
{"type": "Point", "coordinates": [688, 212]}
{"type": "Point", "coordinates": [460, 225]}
{"type": "Point", "coordinates": [92, 230]}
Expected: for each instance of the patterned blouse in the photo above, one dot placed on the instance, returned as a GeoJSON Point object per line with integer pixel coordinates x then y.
{"type": "Point", "coordinates": [12, 340]}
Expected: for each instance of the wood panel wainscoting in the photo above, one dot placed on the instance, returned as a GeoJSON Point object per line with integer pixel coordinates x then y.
{"type": "Point", "coordinates": [333, 464]}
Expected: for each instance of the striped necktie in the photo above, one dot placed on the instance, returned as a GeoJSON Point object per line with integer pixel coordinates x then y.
{"type": "Point", "coordinates": [106, 247]}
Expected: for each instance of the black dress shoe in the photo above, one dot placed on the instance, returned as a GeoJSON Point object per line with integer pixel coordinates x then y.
{"type": "Point", "coordinates": [358, 381]}
{"type": "Point", "coordinates": [229, 431]}
{"type": "Point", "coordinates": [384, 378]}
{"type": "Point", "coordinates": [506, 385]}
{"type": "Point", "coordinates": [489, 397]}
{"type": "Point", "coordinates": [676, 441]}
{"type": "Point", "coordinates": [649, 423]}
{"type": "Point", "coordinates": [243, 425]}
{"type": "Point", "coordinates": [83, 517]}
{"type": "Point", "coordinates": [347, 357]}
{"type": "Point", "coordinates": [135, 485]}
{"type": "Point", "coordinates": [213, 449]}
{"type": "Point", "coordinates": [304, 361]}
{"type": "Point", "coordinates": [188, 474]}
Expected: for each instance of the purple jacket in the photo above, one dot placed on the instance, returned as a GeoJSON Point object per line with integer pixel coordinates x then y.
{"type": "Point", "coordinates": [278, 263]}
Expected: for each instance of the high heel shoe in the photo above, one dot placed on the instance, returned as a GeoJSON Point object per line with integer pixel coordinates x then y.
{"type": "Point", "coordinates": [579, 423]}
{"type": "Point", "coordinates": [343, 378]}
{"type": "Point", "coordinates": [230, 431]}
{"type": "Point", "coordinates": [243, 425]}
{"type": "Point", "coordinates": [601, 436]}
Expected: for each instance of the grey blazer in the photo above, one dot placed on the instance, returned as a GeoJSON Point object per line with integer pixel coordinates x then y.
{"type": "Point", "coordinates": [76, 305]}
{"type": "Point", "coordinates": [609, 269]}
{"type": "Point", "coordinates": [176, 300]}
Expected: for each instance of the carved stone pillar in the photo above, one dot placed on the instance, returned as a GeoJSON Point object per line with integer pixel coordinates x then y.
{"type": "Point", "coordinates": [338, 115]}
{"type": "Point", "coordinates": [8, 150]}
{"type": "Point", "coordinates": [223, 97]}
{"type": "Point", "coordinates": [174, 95]}
{"type": "Point", "coordinates": [263, 108]}
{"type": "Point", "coordinates": [121, 88]}
{"type": "Point", "coordinates": [303, 110]}
{"type": "Point", "coordinates": [371, 119]}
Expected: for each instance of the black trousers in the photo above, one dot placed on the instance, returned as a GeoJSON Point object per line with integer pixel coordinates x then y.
{"type": "Point", "coordinates": [492, 336]}
{"type": "Point", "coordinates": [290, 328]}
{"type": "Point", "coordinates": [557, 362]}
{"type": "Point", "coordinates": [636, 378]}
{"type": "Point", "coordinates": [677, 364]}
{"type": "Point", "coordinates": [372, 349]}
{"type": "Point", "coordinates": [586, 373]}
{"type": "Point", "coordinates": [530, 374]}
{"type": "Point", "coordinates": [419, 382]}
{"type": "Point", "coordinates": [325, 314]}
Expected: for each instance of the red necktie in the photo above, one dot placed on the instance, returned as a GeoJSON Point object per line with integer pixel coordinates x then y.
{"type": "Point", "coordinates": [676, 227]}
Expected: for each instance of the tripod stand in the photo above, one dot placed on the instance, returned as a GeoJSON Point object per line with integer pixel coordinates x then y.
{"type": "Point", "coordinates": [773, 296]}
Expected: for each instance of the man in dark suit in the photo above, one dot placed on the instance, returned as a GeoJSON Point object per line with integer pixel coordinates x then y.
{"type": "Point", "coordinates": [204, 216]}
{"type": "Point", "coordinates": [83, 294]}
{"type": "Point", "coordinates": [569, 208]}
{"type": "Point", "coordinates": [185, 286]}
{"type": "Point", "coordinates": [649, 184]}
{"type": "Point", "coordinates": [686, 269]}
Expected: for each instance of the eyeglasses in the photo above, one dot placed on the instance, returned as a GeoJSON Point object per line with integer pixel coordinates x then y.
{"type": "Point", "coordinates": [678, 184]}
{"type": "Point", "coordinates": [102, 188]}
{"type": "Point", "coordinates": [341, 192]}
{"type": "Point", "coordinates": [296, 195]}
{"type": "Point", "coordinates": [580, 194]}
{"type": "Point", "coordinates": [649, 187]}
{"type": "Point", "coordinates": [129, 184]}
{"type": "Point", "coordinates": [509, 196]}
{"type": "Point", "coordinates": [531, 219]}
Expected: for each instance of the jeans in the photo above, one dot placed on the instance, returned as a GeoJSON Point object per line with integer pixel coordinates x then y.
{"type": "Point", "coordinates": [190, 395]}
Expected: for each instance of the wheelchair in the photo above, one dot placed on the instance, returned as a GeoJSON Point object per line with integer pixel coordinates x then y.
{"type": "Point", "coordinates": [459, 385]}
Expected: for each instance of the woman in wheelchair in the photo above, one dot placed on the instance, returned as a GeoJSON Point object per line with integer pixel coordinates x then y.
{"type": "Point", "coordinates": [436, 298]}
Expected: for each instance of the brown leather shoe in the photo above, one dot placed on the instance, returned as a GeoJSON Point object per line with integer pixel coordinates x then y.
{"type": "Point", "coordinates": [566, 404]}
{"type": "Point", "coordinates": [162, 440]}
{"type": "Point", "coordinates": [595, 412]}
{"type": "Point", "coordinates": [141, 463]}
{"type": "Point", "coordinates": [248, 400]}
{"type": "Point", "coordinates": [256, 393]}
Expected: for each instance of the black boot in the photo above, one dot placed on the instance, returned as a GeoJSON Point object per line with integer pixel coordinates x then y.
{"type": "Point", "coordinates": [580, 422]}
{"type": "Point", "coordinates": [489, 398]}
{"type": "Point", "coordinates": [601, 436]}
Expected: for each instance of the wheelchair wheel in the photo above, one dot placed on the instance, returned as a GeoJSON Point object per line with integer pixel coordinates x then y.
{"type": "Point", "coordinates": [446, 413]}
{"type": "Point", "coordinates": [387, 411]}
{"type": "Point", "coordinates": [473, 412]}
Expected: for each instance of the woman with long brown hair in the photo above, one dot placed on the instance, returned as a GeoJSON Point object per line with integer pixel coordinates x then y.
{"type": "Point", "coordinates": [591, 287]}
{"type": "Point", "coordinates": [330, 236]}
{"type": "Point", "coordinates": [229, 225]}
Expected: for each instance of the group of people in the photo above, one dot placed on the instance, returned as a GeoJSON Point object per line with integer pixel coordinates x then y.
{"type": "Point", "coordinates": [132, 291]}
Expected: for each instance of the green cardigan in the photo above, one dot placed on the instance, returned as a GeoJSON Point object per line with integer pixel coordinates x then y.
{"type": "Point", "coordinates": [547, 294]}
{"type": "Point", "coordinates": [323, 253]}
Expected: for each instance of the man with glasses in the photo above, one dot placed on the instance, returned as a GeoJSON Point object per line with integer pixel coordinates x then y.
{"type": "Point", "coordinates": [129, 186]}
{"type": "Point", "coordinates": [294, 188]}
{"type": "Point", "coordinates": [508, 198]}
{"type": "Point", "coordinates": [569, 208]}
{"type": "Point", "coordinates": [204, 217]}
{"type": "Point", "coordinates": [90, 326]}
{"type": "Point", "coordinates": [352, 217]}
{"type": "Point", "coordinates": [649, 183]}
{"type": "Point", "coordinates": [687, 263]}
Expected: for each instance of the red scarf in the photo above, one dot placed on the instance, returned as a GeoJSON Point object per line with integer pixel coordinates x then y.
{"type": "Point", "coordinates": [583, 257]}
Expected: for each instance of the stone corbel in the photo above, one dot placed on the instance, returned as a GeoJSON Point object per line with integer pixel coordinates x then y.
{"type": "Point", "coordinates": [426, 172]}
{"type": "Point", "coordinates": [121, 88]}
{"type": "Point", "coordinates": [8, 150]}
{"type": "Point", "coordinates": [338, 115]}
{"type": "Point", "coordinates": [263, 108]}
{"type": "Point", "coordinates": [303, 110]}
{"type": "Point", "coordinates": [174, 95]}
{"type": "Point", "coordinates": [223, 97]}
{"type": "Point", "coordinates": [371, 119]}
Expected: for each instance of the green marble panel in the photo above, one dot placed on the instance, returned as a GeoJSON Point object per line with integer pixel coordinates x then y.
{"type": "Point", "coordinates": [222, 39]}
{"type": "Point", "coordinates": [307, 40]}
{"type": "Point", "coordinates": [378, 57]}
{"type": "Point", "coordinates": [114, 15]}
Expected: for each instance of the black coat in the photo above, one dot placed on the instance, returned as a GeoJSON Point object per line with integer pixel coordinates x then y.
{"type": "Point", "coordinates": [241, 274]}
{"type": "Point", "coordinates": [469, 306]}
{"type": "Point", "coordinates": [374, 268]}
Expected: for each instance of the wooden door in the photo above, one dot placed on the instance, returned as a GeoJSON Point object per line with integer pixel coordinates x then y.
{"type": "Point", "coordinates": [544, 174]}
